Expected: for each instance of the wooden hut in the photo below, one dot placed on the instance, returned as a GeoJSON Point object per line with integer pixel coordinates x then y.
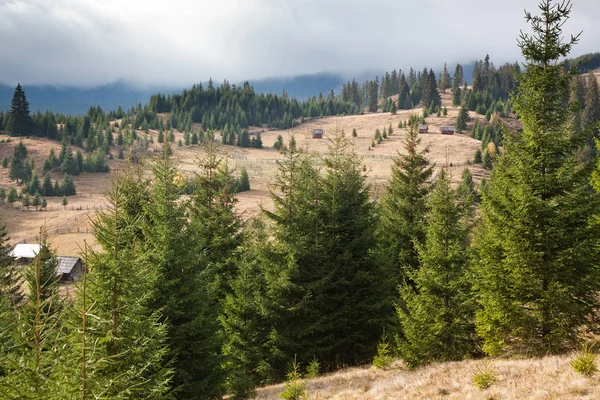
{"type": "Point", "coordinates": [317, 133]}
{"type": "Point", "coordinates": [69, 268]}
{"type": "Point", "coordinates": [24, 253]}
{"type": "Point", "coordinates": [447, 130]}
{"type": "Point", "coordinates": [423, 128]}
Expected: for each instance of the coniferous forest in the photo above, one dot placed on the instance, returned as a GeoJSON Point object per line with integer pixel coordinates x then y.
{"type": "Point", "coordinates": [185, 300]}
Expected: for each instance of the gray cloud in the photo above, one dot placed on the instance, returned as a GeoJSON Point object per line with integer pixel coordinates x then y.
{"type": "Point", "coordinates": [89, 42]}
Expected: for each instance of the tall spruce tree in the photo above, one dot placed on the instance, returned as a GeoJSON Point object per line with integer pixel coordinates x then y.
{"type": "Point", "coordinates": [183, 294]}
{"type": "Point", "coordinates": [437, 313]}
{"type": "Point", "coordinates": [346, 309]}
{"type": "Point", "coordinates": [19, 121]}
{"type": "Point", "coordinates": [403, 208]}
{"type": "Point", "coordinates": [591, 111]}
{"type": "Point", "coordinates": [536, 274]}
{"type": "Point", "coordinates": [127, 351]}
{"type": "Point", "coordinates": [37, 330]}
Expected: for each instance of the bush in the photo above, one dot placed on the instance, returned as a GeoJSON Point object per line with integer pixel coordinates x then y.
{"type": "Point", "coordinates": [384, 358]}
{"type": "Point", "coordinates": [584, 362]}
{"type": "Point", "coordinates": [314, 369]}
{"type": "Point", "coordinates": [484, 377]}
{"type": "Point", "coordinates": [294, 388]}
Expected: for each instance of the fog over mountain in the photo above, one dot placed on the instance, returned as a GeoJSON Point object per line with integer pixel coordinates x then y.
{"type": "Point", "coordinates": [174, 44]}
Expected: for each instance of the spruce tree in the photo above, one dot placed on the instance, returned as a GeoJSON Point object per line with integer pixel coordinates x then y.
{"type": "Point", "coordinates": [37, 333]}
{"type": "Point", "coordinates": [127, 348]}
{"type": "Point", "coordinates": [18, 166]}
{"type": "Point", "coordinates": [591, 112]}
{"type": "Point", "coordinates": [184, 292]}
{"type": "Point", "coordinates": [19, 121]}
{"type": "Point", "coordinates": [462, 119]}
{"type": "Point", "coordinates": [437, 313]}
{"type": "Point", "coordinates": [403, 207]}
{"type": "Point", "coordinates": [536, 274]}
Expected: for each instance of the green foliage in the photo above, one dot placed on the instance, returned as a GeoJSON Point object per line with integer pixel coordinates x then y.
{"type": "Point", "coordinates": [537, 274]}
{"type": "Point", "coordinates": [19, 122]}
{"type": "Point", "coordinates": [437, 313]}
{"type": "Point", "coordinates": [584, 362]}
{"type": "Point", "coordinates": [5, 162]}
{"type": "Point", "coordinates": [462, 119]}
{"type": "Point", "coordinates": [313, 370]}
{"type": "Point", "coordinates": [18, 165]}
{"type": "Point", "coordinates": [487, 160]}
{"type": "Point", "coordinates": [12, 195]}
{"type": "Point", "coordinates": [64, 202]}
{"type": "Point", "coordinates": [243, 184]}
{"type": "Point", "coordinates": [484, 376]}
{"type": "Point", "coordinates": [383, 359]}
{"type": "Point", "coordinates": [279, 143]}
{"type": "Point", "coordinates": [477, 159]}
{"type": "Point", "coordinates": [294, 388]}
{"type": "Point", "coordinates": [402, 209]}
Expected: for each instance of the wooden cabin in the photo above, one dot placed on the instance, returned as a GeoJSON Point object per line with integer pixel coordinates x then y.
{"type": "Point", "coordinates": [423, 128]}
{"type": "Point", "coordinates": [69, 268]}
{"type": "Point", "coordinates": [447, 130]}
{"type": "Point", "coordinates": [317, 133]}
{"type": "Point", "coordinates": [24, 253]}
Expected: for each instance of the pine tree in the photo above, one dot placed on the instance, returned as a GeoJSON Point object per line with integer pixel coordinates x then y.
{"type": "Point", "coordinates": [244, 320]}
{"type": "Point", "coordinates": [19, 121]}
{"type": "Point", "coordinates": [462, 119]}
{"type": "Point", "coordinates": [12, 195]}
{"type": "Point", "coordinates": [591, 112]}
{"type": "Point", "coordinates": [244, 185]}
{"type": "Point", "coordinates": [537, 274]}
{"type": "Point", "coordinates": [466, 191]}
{"type": "Point", "coordinates": [10, 280]}
{"type": "Point", "coordinates": [132, 357]}
{"type": "Point", "coordinates": [18, 167]}
{"type": "Point", "coordinates": [403, 207]}
{"type": "Point", "coordinates": [37, 332]}
{"type": "Point", "coordinates": [184, 292]}
{"type": "Point", "coordinates": [445, 80]}
{"type": "Point", "coordinates": [437, 313]}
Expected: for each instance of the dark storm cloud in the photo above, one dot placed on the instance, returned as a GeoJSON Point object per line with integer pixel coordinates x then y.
{"type": "Point", "coordinates": [88, 42]}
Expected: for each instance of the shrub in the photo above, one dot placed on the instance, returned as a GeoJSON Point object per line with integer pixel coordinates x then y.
{"type": "Point", "coordinates": [294, 388]}
{"type": "Point", "coordinates": [384, 358]}
{"type": "Point", "coordinates": [314, 369]}
{"type": "Point", "coordinates": [484, 376]}
{"type": "Point", "coordinates": [584, 362]}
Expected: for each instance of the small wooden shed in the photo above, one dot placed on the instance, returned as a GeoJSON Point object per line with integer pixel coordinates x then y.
{"type": "Point", "coordinates": [423, 128]}
{"type": "Point", "coordinates": [317, 133]}
{"type": "Point", "coordinates": [69, 268]}
{"type": "Point", "coordinates": [447, 130]}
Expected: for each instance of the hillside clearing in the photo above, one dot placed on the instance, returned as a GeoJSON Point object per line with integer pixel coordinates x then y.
{"type": "Point", "coordinates": [538, 379]}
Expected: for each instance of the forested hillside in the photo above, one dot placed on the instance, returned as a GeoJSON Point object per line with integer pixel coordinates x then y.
{"type": "Point", "coordinates": [185, 299]}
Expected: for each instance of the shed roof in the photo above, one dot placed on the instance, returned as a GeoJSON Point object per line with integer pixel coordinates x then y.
{"type": "Point", "coordinates": [423, 126]}
{"type": "Point", "coordinates": [23, 250]}
{"type": "Point", "coordinates": [447, 128]}
{"type": "Point", "coordinates": [66, 264]}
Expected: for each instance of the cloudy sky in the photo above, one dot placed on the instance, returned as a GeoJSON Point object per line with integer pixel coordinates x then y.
{"type": "Point", "coordinates": [178, 42]}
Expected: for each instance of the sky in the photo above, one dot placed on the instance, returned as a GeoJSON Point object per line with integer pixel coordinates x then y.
{"type": "Point", "coordinates": [179, 42]}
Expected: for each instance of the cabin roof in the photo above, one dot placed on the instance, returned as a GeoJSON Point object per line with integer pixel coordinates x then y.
{"type": "Point", "coordinates": [66, 264]}
{"type": "Point", "coordinates": [24, 250]}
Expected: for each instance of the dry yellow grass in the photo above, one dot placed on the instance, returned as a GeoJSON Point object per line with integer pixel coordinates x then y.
{"type": "Point", "coordinates": [260, 163]}
{"type": "Point", "coordinates": [537, 379]}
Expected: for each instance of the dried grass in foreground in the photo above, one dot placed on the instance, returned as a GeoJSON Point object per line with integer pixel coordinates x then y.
{"type": "Point", "coordinates": [541, 378]}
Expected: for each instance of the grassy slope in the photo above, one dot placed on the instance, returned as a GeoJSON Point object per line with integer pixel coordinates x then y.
{"type": "Point", "coordinates": [541, 379]}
